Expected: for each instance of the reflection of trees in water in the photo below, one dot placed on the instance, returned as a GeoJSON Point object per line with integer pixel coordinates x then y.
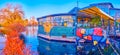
{"type": "Point", "coordinates": [31, 30]}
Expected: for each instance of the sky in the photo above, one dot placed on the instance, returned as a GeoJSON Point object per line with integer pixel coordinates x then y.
{"type": "Point", "coordinates": [39, 8]}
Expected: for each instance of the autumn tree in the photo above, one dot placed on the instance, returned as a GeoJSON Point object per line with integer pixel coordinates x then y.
{"type": "Point", "coordinates": [33, 21]}
{"type": "Point", "coordinates": [13, 23]}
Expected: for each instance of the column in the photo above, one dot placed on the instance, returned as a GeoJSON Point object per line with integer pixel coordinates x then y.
{"type": "Point", "coordinates": [115, 27]}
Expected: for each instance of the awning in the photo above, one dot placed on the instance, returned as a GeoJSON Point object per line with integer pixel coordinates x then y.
{"type": "Point", "coordinates": [96, 11]}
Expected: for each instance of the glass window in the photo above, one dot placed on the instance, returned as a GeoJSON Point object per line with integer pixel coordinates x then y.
{"type": "Point", "coordinates": [58, 20]}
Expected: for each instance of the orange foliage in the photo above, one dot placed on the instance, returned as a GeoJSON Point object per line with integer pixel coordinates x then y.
{"type": "Point", "coordinates": [14, 46]}
{"type": "Point", "coordinates": [13, 25]}
{"type": "Point", "coordinates": [10, 15]}
{"type": "Point", "coordinates": [16, 27]}
{"type": "Point", "coordinates": [33, 21]}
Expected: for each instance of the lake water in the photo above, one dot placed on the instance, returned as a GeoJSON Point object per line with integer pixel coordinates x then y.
{"type": "Point", "coordinates": [31, 39]}
{"type": "Point", "coordinates": [44, 47]}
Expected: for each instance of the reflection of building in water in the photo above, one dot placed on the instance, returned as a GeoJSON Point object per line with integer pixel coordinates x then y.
{"type": "Point", "coordinates": [31, 30]}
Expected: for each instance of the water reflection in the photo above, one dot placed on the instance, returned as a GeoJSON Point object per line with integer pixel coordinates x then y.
{"type": "Point", "coordinates": [31, 39]}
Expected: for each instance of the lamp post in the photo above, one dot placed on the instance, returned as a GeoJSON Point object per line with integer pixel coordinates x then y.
{"type": "Point", "coordinates": [108, 29]}
{"type": "Point", "coordinates": [75, 27]}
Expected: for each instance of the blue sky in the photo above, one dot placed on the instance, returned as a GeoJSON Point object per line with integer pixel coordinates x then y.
{"type": "Point", "coordinates": [40, 8]}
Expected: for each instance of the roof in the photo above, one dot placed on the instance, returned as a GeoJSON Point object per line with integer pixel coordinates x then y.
{"type": "Point", "coordinates": [60, 14]}
{"type": "Point", "coordinates": [114, 8]}
{"type": "Point", "coordinates": [103, 3]}
{"type": "Point", "coordinates": [92, 10]}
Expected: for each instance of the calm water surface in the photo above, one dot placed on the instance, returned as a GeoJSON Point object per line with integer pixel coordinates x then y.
{"type": "Point", "coordinates": [31, 39]}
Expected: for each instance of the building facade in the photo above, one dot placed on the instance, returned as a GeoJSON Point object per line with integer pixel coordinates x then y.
{"type": "Point", "coordinates": [69, 19]}
{"type": "Point", "coordinates": [59, 31]}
